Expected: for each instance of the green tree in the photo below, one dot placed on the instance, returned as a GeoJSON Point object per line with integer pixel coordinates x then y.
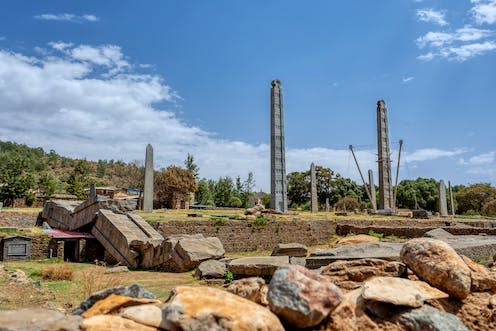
{"type": "Point", "coordinates": [101, 168]}
{"type": "Point", "coordinates": [78, 179]}
{"type": "Point", "coordinates": [204, 195]}
{"type": "Point", "coordinates": [16, 178]}
{"type": "Point", "coordinates": [47, 185]}
{"type": "Point", "coordinates": [224, 191]}
{"type": "Point", "coordinates": [424, 191]}
{"type": "Point", "coordinates": [474, 197]}
{"type": "Point", "coordinates": [191, 166]}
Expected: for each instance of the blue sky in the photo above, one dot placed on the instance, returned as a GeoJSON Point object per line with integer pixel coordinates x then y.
{"type": "Point", "coordinates": [101, 79]}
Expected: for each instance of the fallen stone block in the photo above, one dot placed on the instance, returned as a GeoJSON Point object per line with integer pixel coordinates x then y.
{"type": "Point", "coordinates": [261, 266]}
{"type": "Point", "coordinates": [291, 249]}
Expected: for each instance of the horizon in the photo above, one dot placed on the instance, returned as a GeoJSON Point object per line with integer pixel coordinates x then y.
{"type": "Point", "coordinates": [102, 80]}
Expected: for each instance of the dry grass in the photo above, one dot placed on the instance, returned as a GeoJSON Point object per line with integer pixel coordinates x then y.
{"type": "Point", "coordinates": [87, 278]}
{"type": "Point", "coordinates": [58, 272]}
{"type": "Point", "coordinates": [94, 279]}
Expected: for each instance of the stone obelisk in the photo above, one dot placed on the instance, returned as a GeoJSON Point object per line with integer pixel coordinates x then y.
{"type": "Point", "coordinates": [313, 189]}
{"type": "Point", "coordinates": [278, 190]}
{"type": "Point", "coordinates": [443, 205]}
{"type": "Point", "coordinates": [384, 157]}
{"type": "Point", "coordinates": [373, 198]}
{"type": "Point", "coordinates": [148, 189]}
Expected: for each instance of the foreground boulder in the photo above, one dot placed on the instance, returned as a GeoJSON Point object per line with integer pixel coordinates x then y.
{"type": "Point", "coordinates": [205, 308]}
{"type": "Point", "coordinates": [400, 291]}
{"type": "Point", "coordinates": [112, 322]}
{"type": "Point", "coordinates": [435, 262]}
{"type": "Point", "coordinates": [350, 274]}
{"type": "Point", "coordinates": [38, 319]}
{"type": "Point", "coordinates": [301, 297]}
{"type": "Point", "coordinates": [291, 249]}
{"type": "Point", "coordinates": [252, 288]}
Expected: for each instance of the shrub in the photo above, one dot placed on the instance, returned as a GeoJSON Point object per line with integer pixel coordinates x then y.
{"type": "Point", "coordinates": [489, 208]}
{"type": "Point", "coordinates": [376, 234]}
{"type": "Point", "coordinates": [348, 203]}
{"type": "Point", "coordinates": [58, 272]}
{"type": "Point", "coordinates": [229, 276]}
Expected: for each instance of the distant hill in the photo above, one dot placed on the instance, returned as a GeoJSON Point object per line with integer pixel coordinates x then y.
{"type": "Point", "coordinates": [65, 172]}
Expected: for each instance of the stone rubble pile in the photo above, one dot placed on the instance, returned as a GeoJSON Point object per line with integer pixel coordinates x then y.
{"type": "Point", "coordinates": [430, 288]}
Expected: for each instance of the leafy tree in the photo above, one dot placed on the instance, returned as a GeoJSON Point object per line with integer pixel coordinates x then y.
{"type": "Point", "coordinates": [204, 195]}
{"type": "Point", "coordinates": [489, 208]}
{"type": "Point", "coordinates": [47, 185]}
{"type": "Point", "coordinates": [424, 191]}
{"type": "Point", "coordinates": [101, 168]}
{"type": "Point", "coordinates": [174, 183]}
{"type": "Point", "coordinates": [224, 191]}
{"type": "Point", "coordinates": [78, 179]}
{"type": "Point", "coordinates": [15, 177]}
{"type": "Point", "coordinates": [474, 197]}
{"type": "Point", "coordinates": [298, 187]}
{"type": "Point", "coordinates": [248, 186]}
{"type": "Point", "coordinates": [191, 166]}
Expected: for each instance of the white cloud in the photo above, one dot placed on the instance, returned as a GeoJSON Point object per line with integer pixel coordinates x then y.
{"type": "Point", "coordinates": [460, 45]}
{"type": "Point", "coordinates": [65, 17]}
{"type": "Point", "coordinates": [407, 79]}
{"type": "Point", "coordinates": [68, 101]}
{"type": "Point", "coordinates": [432, 16]}
{"type": "Point", "coordinates": [427, 154]}
{"type": "Point", "coordinates": [481, 159]}
{"type": "Point", "coordinates": [484, 11]}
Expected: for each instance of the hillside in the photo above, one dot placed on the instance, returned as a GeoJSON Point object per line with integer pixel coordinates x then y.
{"type": "Point", "coordinates": [49, 171]}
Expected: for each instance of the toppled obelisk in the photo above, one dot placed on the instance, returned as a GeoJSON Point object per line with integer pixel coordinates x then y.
{"type": "Point", "coordinates": [313, 189]}
{"type": "Point", "coordinates": [278, 190]}
{"type": "Point", "coordinates": [443, 205]}
{"type": "Point", "coordinates": [384, 158]}
{"type": "Point", "coordinates": [148, 187]}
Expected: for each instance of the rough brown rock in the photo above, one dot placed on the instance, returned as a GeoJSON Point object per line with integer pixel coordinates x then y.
{"type": "Point", "coordinates": [112, 322]}
{"type": "Point", "coordinates": [476, 311]}
{"type": "Point", "coordinates": [474, 266]}
{"type": "Point", "coordinates": [302, 297]}
{"type": "Point", "coordinates": [350, 315]}
{"type": "Point", "coordinates": [483, 281]}
{"type": "Point", "coordinates": [435, 262]}
{"type": "Point", "coordinates": [150, 315]}
{"type": "Point", "coordinates": [350, 274]}
{"type": "Point", "coordinates": [252, 288]}
{"type": "Point", "coordinates": [114, 302]}
{"type": "Point", "coordinates": [400, 291]}
{"type": "Point", "coordinates": [205, 308]}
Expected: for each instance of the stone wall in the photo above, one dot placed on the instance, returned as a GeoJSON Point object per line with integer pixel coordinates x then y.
{"type": "Point", "coordinates": [251, 235]}
{"type": "Point", "coordinates": [17, 219]}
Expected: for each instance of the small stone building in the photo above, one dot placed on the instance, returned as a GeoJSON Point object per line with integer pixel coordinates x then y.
{"type": "Point", "coordinates": [16, 248]}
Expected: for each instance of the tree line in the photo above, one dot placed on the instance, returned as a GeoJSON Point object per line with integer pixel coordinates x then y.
{"type": "Point", "coordinates": [25, 171]}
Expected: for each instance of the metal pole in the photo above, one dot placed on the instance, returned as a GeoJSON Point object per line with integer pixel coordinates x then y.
{"type": "Point", "coordinates": [397, 175]}
{"type": "Point", "coordinates": [361, 176]}
{"type": "Point", "coordinates": [451, 199]}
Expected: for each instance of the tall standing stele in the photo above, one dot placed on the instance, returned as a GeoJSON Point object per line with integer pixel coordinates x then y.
{"type": "Point", "coordinates": [148, 189]}
{"type": "Point", "coordinates": [384, 157]}
{"type": "Point", "coordinates": [278, 190]}
{"type": "Point", "coordinates": [314, 201]}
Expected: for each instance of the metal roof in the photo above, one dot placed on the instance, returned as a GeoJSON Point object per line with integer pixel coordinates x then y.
{"type": "Point", "coordinates": [63, 234]}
